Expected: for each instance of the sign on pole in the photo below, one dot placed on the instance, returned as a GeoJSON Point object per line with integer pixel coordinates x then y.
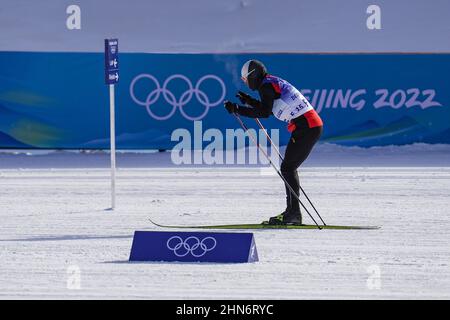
{"type": "Point", "coordinates": [111, 78]}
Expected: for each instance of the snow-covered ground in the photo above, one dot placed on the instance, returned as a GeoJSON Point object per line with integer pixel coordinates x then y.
{"type": "Point", "coordinates": [54, 224]}
{"type": "Point", "coordinates": [324, 155]}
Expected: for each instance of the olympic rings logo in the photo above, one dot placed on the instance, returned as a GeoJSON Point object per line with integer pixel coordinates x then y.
{"type": "Point", "coordinates": [170, 98]}
{"type": "Point", "coordinates": [191, 245]}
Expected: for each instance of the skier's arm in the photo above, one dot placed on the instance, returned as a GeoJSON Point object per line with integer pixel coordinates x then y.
{"type": "Point", "coordinates": [248, 100]}
{"type": "Point", "coordinates": [263, 108]}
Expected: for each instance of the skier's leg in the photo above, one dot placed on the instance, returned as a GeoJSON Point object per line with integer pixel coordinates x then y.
{"type": "Point", "coordinates": [297, 151]}
{"type": "Point", "coordinates": [289, 172]}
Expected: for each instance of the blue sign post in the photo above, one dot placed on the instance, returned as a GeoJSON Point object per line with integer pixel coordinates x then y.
{"type": "Point", "coordinates": [111, 61]}
{"type": "Point", "coordinates": [194, 247]}
{"type": "Point", "coordinates": [111, 78]}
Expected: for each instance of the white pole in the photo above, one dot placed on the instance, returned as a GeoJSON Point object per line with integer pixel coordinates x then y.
{"type": "Point", "coordinates": [113, 146]}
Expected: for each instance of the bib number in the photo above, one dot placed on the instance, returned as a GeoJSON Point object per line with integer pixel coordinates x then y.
{"type": "Point", "coordinates": [296, 110]}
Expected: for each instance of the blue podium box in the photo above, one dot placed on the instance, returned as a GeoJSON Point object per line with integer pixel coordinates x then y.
{"type": "Point", "coordinates": [193, 247]}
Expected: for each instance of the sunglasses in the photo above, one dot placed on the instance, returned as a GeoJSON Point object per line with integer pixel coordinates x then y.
{"type": "Point", "coordinates": [245, 78]}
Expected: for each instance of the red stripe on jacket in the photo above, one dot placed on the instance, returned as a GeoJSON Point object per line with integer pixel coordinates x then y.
{"type": "Point", "coordinates": [313, 119]}
{"type": "Point", "coordinates": [276, 87]}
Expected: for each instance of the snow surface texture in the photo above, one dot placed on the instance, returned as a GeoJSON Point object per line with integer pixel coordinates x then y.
{"type": "Point", "coordinates": [324, 155]}
{"type": "Point", "coordinates": [216, 26]}
{"type": "Point", "coordinates": [54, 222]}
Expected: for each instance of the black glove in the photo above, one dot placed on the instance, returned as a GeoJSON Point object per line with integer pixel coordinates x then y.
{"type": "Point", "coordinates": [231, 106]}
{"type": "Point", "coordinates": [245, 98]}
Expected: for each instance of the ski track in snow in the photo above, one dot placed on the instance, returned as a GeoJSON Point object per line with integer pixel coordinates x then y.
{"type": "Point", "coordinates": [53, 219]}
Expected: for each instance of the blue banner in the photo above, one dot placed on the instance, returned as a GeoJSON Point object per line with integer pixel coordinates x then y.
{"type": "Point", "coordinates": [193, 247]}
{"type": "Point", "coordinates": [59, 100]}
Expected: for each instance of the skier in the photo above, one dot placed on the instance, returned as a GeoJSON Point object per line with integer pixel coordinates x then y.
{"type": "Point", "coordinates": [281, 99]}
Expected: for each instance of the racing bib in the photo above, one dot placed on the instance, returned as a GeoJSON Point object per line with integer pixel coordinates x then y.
{"type": "Point", "coordinates": [291, 103]}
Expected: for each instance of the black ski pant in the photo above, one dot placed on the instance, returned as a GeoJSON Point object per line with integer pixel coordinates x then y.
{"type": "Point", "coordinates": [300, 145]}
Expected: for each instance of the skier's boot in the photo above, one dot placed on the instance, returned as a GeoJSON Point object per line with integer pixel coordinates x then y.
{"type": "Point", "coordinates": [292, 218]}
{"type": "Point", "coordinates": [288, 217]}
{"type": "Point", "coordinates": [277, 219]}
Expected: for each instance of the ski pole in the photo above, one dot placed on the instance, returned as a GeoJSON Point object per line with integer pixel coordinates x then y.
{"type": "Point", "coordinates": [276, 169]}
{"type": "Point", "coordinates": [281, 157]}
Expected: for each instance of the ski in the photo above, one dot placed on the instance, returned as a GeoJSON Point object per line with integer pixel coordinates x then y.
{"type": "Point", "coordinates": [263, 226]}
